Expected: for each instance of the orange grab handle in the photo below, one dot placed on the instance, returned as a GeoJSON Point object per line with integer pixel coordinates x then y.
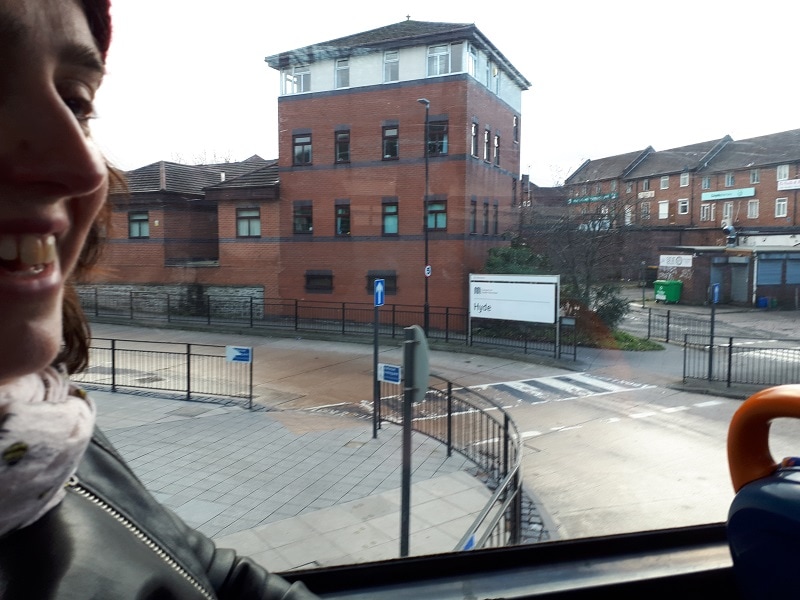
{"type": "Point", "coordinates": [748, 434]}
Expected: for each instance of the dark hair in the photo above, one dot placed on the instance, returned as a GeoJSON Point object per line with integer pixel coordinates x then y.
{"type": "Point", "coordinates": [76, 334]}
{"type": "Point", "coordinates": [99, 17]}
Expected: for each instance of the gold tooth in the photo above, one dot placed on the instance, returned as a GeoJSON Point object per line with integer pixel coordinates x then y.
{"type": "Point", "coordinates": [30, 250]}
{"type": "Point", "coordinates": [49, 249]}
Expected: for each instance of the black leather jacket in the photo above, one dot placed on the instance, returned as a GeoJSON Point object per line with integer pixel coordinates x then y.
{"type": "Point", "coordinates": [110, 539]}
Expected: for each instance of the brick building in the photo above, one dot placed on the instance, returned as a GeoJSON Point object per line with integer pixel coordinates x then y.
{"type": "Point", "coordinates": [730, 204]}
{"type": "Point", "coordinates": [391, 141]}
{"type": "Point", "coordinates": [353, 162]}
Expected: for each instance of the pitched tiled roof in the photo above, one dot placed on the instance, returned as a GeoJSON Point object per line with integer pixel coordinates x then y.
{"type": "Point", "coordinates": [677, 160]}
{"type": "Point", "coordinates": [611, 167]}
{"type": "Point", "coordinates": [399, 35]}
{"type": "Point", "coordinates": [765, 150]}
{"type": "Point", "coordinates": [266, 176]}
{"type": "Point", "coordinates": [187, 179]}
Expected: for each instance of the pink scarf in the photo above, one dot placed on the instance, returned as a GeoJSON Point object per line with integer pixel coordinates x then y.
{"type": "Point", "coordinates": [45, 426]}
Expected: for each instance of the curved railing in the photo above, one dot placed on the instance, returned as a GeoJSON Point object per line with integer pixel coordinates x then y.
{"type": "Point", "coordinates": [481, 430]}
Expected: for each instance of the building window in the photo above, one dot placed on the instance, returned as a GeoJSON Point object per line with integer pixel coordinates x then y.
{"type": "Point", "coordinates": [515, 128]}
{"type": "Point", "coordinates": [782, 172]}
{"type": "Point", "coordinates": [487, 136]}
{"type": "Point", "coordinates": [497, 150]}
{"type": "Point", "coordinates": [628, 214]}
{"type": "Point", "coordinates": [139, 224]}
{"type": "Point", "coordinates": [437, 138]}
{"type": "Point", "coordinates": [298, 80]}
{"type": "Point", "coordinates": [389, 217]}
{"type": "Point", "coordinates": [781, 207]}
{"type": "Point", "coordinates": [752, 209]}
{"type": "Point", "coordinates": [706, 183]}
{"type": "Point", "coordinates": [485, 217]}
{"type": "Point", "coordinates": [302, 217]}
{"type": "Point", "coordinates": [755, 176]}
{"type": "Point", "coordinates": [663, 209]}
{"type": "Point", "coordinates": [248, 222]}
{"type": "Point", "coordinates": [342, 218]}
{"type": "Point", "coordinates": [644, 210]}
{"type": "Point", "coordinates": [438, 60]}
{"type": "Point", "coordinates": [598, 187]}
{"type": "Point", "coordinates": [629, 187]}
{"type": "Point", "coordinates": [319, 281]}
{"type": "Point", "coordinates": [665, 182]}
{"type": "Point", "coordinates": [727, 211]}
{"type": "Point", "coordinates": [472, 60]}
{"type": "Point", "coordinates": [342, 146]}
{"type": "Point", "coordinates": [343, 73]}
{"type": "Point", "coordinates": [390, 144]}
{"type": "Point", "coordinates": [302, 149]}
{"type": "Point", "coordinates": [683, 206]}
{"type": "Point", "coordinates": [391, 66]}
{"type": "Point", "coordinates": [473, 216]}
{"type": "Point", "coordinates": [437, 215]}
{"type": "Point", "coordinates": [730, 180]}
{"type": "Point", "coordinates": [646, 185]}
{"type": "Point", "coordinates": [495, 219]}
{"type": "Point", "coordinates": [613, 185]}
{"type": "Point", "coordinates": [474, 138]}
{"type": "Point", "coordinates": [389, 280]}
{"type": "Point", "coordinates": [705, 212]}
{"type": "Point", "coordinates": [684, 182]}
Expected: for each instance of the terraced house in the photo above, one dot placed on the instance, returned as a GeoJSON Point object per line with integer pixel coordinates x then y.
{"type": "Point", "coordinates": [730, 204]}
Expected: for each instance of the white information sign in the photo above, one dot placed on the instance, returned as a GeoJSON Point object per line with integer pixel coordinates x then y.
{"type": "Point", "coordinates": [675, 260]}
{"type": "Point", "coordinates": [529, 298]}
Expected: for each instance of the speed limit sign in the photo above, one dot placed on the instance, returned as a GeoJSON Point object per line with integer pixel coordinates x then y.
{"type": "Point", "coordinates": [428, 271]}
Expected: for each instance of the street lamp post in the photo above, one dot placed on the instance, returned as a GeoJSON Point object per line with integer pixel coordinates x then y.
{"type": "Point", "coordinates": [426, 308]}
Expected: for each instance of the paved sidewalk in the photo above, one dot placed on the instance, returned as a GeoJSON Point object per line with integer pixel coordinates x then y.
{"type": "Point", "coordinates": [292, 490]}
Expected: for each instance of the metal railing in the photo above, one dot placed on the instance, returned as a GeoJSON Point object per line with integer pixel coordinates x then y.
{"type": "Point", "coordinates": [446, 324]}
{"type": "Point", "coordinates": [482, 431]}
{"type": "Point", "coordinates": [665, 325]}
{"type": "Point", "coordinates": [750, 361]}
{"type": "Point", "coordinates": [195, 371]}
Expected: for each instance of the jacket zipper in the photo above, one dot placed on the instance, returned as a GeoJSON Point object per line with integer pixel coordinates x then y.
{"type": "Point", "coordinates": [78, 488]}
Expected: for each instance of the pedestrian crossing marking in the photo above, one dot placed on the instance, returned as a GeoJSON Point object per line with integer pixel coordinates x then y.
{"type": "Point", "coordinates": [556, 388]}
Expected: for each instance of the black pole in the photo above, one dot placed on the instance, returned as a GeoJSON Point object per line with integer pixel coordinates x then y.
{"type": "Point", "coordinates": [711, 341]}
{"type": "Point", "coordinates": [408, 394]}
{"type": "Point", "coordinates": [641, 278]}
{"type": "Point", "coordinates": [376, 386]}
{"type": "Point", "coordinates": [427, 308]}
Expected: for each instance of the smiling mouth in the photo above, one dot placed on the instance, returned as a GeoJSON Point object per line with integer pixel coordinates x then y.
{"type": "Point", "coordinates": [27, 254]}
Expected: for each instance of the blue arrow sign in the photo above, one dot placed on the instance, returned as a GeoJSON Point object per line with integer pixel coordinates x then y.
{"type": "Point", "coordinates": [380, 288]}
{"type": "Point", "coordinates": [241, 354]}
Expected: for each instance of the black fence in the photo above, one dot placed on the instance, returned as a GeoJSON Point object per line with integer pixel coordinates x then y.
{"type": "Point", "coordinates": [666, 325]}
{"type": "Point", "coordinates": [194, 371]}
{"type": "Point", "coordinates": [450, 325]}
{"type": "Point", "coordinates": [481, 430]}
{"type": "Point", "coordinates": [753, 361]}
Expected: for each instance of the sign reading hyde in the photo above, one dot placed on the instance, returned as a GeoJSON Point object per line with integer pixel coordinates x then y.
{"type": "Point", "coordinates": [529, 298]}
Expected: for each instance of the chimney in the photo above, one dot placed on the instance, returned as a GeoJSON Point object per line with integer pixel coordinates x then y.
{"type": "Point", "coordinates": [162, 176]}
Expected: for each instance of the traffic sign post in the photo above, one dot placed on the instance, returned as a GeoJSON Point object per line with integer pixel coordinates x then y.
{"type": "Point", "coordinates": [379, 291]}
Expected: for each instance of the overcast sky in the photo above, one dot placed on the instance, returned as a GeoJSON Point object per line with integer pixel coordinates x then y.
{"type": "Point", "coordinates": [187, 80]}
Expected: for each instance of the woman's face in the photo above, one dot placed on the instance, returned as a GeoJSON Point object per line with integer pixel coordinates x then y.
{"type": "Point", "coordinates": [53, 180]}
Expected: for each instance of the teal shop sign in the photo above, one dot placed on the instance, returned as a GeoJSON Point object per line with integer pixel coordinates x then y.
{"type": "Point", "coordinates": [597, 198]}
{"type": "Point", "coordinates": [725, 194]}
